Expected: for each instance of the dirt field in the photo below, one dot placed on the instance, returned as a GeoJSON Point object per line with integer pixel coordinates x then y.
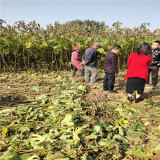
{"type": "Point", "coordinates": [44, 115]}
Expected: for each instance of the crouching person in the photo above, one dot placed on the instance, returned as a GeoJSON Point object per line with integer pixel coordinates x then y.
{"type": "Point", "coordinates": [76, 62]}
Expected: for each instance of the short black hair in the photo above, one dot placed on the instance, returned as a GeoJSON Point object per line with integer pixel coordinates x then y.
{"type": "Point", "coordinates": [157, 42]}
{"type": "Point", "coordinates": [116, 47]}
{"type": "Point", "coordinates": [145, 48]}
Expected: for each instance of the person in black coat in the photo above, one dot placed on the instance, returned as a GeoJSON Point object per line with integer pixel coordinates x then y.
{"type": "Point", "coordinates": [154, 68]}
{"type": "Point", "coordinates": [111, 69]}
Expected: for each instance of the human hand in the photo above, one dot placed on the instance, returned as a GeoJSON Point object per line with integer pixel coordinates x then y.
{"type": "Point", "coordinates": [82, 62]}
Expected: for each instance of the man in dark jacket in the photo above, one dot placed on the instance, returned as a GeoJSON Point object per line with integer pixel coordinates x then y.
{"type": "Point", "coordinates": [154, 68]}
{"type": "Point", "coordinates": [90, 63]}
{"type": "Point", "coordinates": [111, 69]}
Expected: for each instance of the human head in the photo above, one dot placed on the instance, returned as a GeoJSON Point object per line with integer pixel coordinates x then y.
{"type": "Point", "coordinates": [76, 48]}
{"type": "Point", "coordinates": [145, 48]}
{"type": "Point", "coordinates": [155, 45]}
{"type": "Point", "coordinates": [96, 45]}
{"type": "Point", "coordinates": [116, 49]}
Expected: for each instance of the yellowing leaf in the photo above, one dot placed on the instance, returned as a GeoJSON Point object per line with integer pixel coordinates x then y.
{"type": "Point", "coordinates": [65, 137]}
{"type": "Point", "coordinates": [4, 131]}
{"type": "Point", "coordinates": [54, 132]}
{"type": "Point", "coordinates": [5, 155]}
{"type": "Point", "coordinates": [156, 148]}
{"type": "Point", "coordinates": [35, 157]}
{"type": "Point", "coordinates": [101, 143]}
{"type": "Point", "coordinates": [24, 129]}
{"type": "Point", "coordinates": [97, 128]}
{"type": "Point", "coordinates": [62, 159]}
{"type": "Point", "coordinates": [121, 131]}
{"type": "Point", "coordinates": [125, 121]}
{"type": "Point", "coordinates": [38, 138]}
{"type": "Point", "coordinates": [79, 130]}
{"type": "Point", "coordinates": [81, 87]}
{"type": "Point", "coordinates": [159, 127]}
{"type": "Point", "coordinates": [119, 138]}
{"type": "Point", "coordinates": [75, 137]}
{"type": "Point", "coordinates": [67, 120]}
{"type": "Point", "coordinates": [149, 154]}
{"type": "Point", "coordinates": [57, 155]}
{"type": "Point", "coordinates": [91, 136]}
{"type": "Point", "coordinates": [84, 157]}
{"type": "Point", "coordinates": [35, 141]}
{"type": "Point", "coordinates": [146, 123]}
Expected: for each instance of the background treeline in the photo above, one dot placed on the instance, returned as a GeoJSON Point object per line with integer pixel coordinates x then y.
{"type": "Point", "coordinates": [29, 46]}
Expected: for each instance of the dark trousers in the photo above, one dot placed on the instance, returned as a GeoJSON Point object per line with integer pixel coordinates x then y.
{"type": "Point", "coordinates": [75, 70]}
{"type": "Point", "coordinates": [108, 82]}
{"type": "Point", "coordinates": [154, 70]}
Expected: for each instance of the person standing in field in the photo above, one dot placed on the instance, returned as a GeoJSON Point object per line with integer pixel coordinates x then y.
{"type": "Point", "coordinates": [76, 62]}
{"type": "Point", "coordinates": [154, 68]}
{"type": "Point", "coordinates": [90, 63]}
{"type": "Point", "coordinates": [137, 72]}
{"type": "Point", "coordinates": [111, 69]}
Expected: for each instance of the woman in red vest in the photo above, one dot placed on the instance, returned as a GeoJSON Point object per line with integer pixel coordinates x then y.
{"type": "Point", "coordinates": [76, 62]}
{"type": "Point", "coordinates": [137, 72]}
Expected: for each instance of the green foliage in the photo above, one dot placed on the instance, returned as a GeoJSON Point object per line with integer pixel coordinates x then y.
{"type": "Point", "coordinates": [135, 133]}
{"type": "Point", "coordinates": [28, 46]}
{"type": "Point", "coordinates": [140, 154]}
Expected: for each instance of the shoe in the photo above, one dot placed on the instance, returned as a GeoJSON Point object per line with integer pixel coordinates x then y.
{"type": "Point", "coordinates": [154, 88]}
{"type": "Point", "coordinates": [105, 89]}
{"type": "Point", "coordinates": [147, 86]}
{"type": "Point", "coordinates": [112, 91]}
{"type": "Point", "coordinates": [130, 99]}
{"type": "Point", "coordinates": [137, 100]}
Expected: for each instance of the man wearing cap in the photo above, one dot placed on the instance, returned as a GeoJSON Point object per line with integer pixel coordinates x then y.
{"type": "Point", "coordinates": [90, 63]}
{"type": "Point", "coordinates": [76, 61]}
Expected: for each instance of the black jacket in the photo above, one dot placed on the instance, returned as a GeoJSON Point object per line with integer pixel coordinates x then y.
{"type": "Point", "coordinates": [90, 57]}
{"type": "Point", "coordinates": [156, 57]}
{"type": "Point", "coordinates": [111, 63]}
